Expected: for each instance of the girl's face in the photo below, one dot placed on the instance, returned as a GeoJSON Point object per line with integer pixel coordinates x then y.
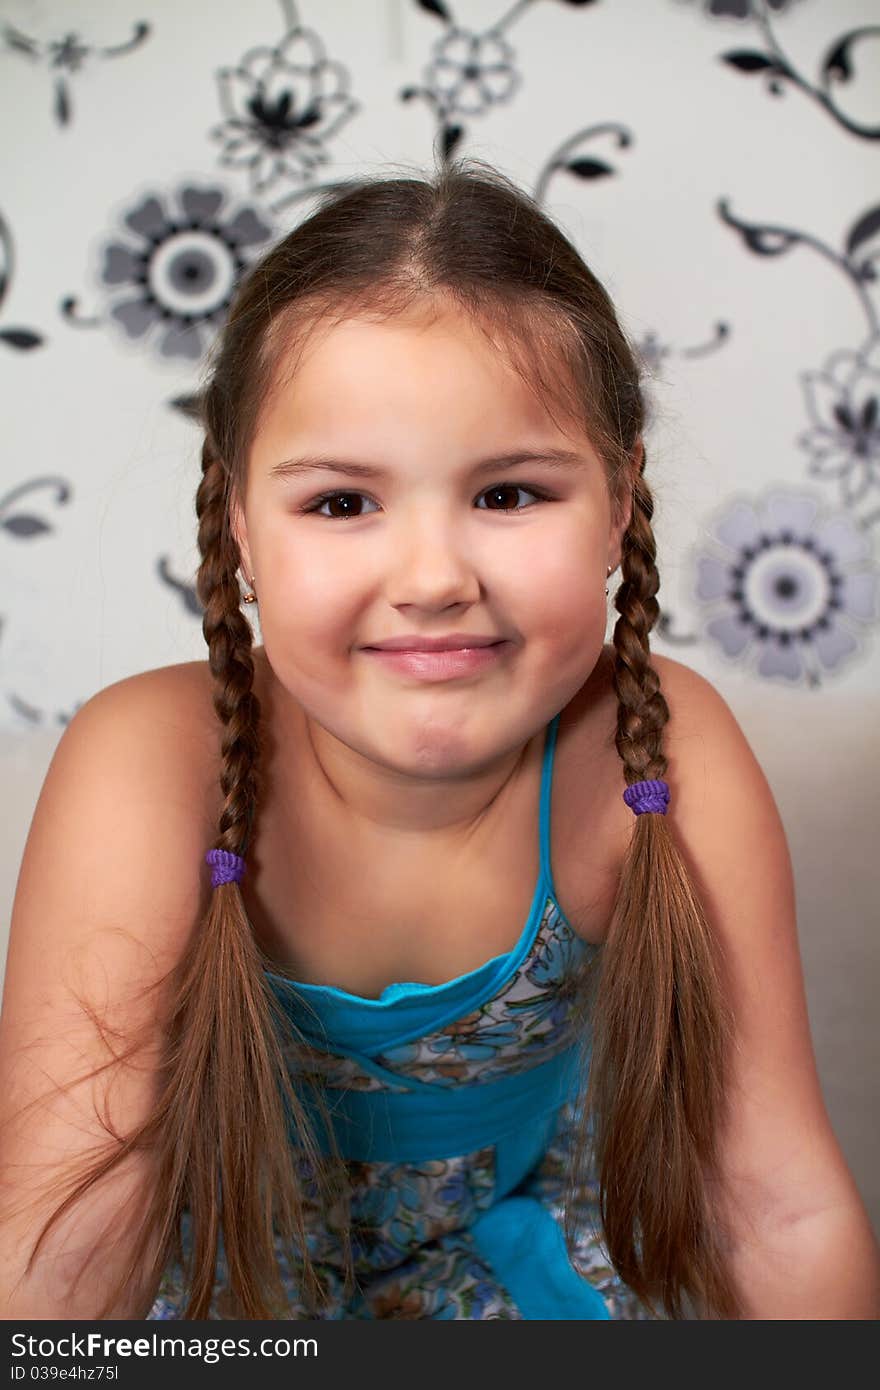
{"type": "Point", "coordinates": [409, 530]}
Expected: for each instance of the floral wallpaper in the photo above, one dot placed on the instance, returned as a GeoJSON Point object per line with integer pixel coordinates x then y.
{"type": "Point", "coordinates": [715, 160]}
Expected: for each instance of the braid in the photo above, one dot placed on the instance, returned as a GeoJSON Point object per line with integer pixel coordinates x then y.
{"type": "Point", "coordinates": [642, 712]}
{"type": "Point", "coordinates": [229, 638]}
{"type": "Point", "coordinates": [226, 1106]}
{"type": "Point", "coordinates": [660, 1024]}
{"type": "Point", "coordinates": [233, 1047]}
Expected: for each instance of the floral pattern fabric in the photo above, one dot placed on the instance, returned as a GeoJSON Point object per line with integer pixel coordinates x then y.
{"type": "Point", "coordinates": [412, 1251]}
{"type": "Point", "coordinates": [525, 1023]}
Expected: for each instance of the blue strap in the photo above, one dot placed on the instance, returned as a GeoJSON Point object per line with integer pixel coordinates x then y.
{"type": "Point", "coordinates": [546, 871]}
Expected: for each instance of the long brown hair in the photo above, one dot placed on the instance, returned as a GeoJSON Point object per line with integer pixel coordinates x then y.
{"type": "Point", "coordinates": [658, 1028]}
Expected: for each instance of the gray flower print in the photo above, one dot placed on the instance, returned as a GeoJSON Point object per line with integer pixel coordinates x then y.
{"type": "Point", "coordinates": [786, 586]}
{"type": "Point", "coordinates": [179, 276]}
{"type": "Point", "coordinates": [843, 402]}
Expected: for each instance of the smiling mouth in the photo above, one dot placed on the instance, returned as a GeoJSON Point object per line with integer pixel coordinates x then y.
{"type": "Point", "coordinates": [449, 642]}
{"type": "Point", "coordinates": [434, 651]}
{"type": "Point", "coordinates": [439, 665]}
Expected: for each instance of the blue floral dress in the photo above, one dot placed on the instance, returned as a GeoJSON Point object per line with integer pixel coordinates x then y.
{"type": "Point", "coordinates": [453, 1105]}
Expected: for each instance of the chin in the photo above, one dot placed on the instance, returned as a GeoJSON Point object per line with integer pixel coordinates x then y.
{"type": "Point", "coordinates": [439, 750]}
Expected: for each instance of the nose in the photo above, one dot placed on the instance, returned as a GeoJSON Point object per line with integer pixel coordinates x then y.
{"type": "Point", "coordinates": [433, 566]}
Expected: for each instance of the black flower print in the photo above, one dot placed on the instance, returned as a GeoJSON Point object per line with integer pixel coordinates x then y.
{"type": "Point", "coordinates": [470, 72]}
{"type": "Point", "coordinates": [787, 586]}
{"type": "Point", "coordinates": [179, 275]}
{"type": "Point", "coordinates": [467, 75]}
{"type": "Point", "coordinates": [281, 106]}
{"type": "Point", "coordinates": [66, 56]}
{"type": "Point", "coordinates": [67, 53]}
{"type": "Point", "coordinates": [843, 401]}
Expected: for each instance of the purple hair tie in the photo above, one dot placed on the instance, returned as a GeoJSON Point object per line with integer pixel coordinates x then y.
{"type": "Point", "coordinates": [226, 867]}
{"type": "Point", "coordinates": [652, 795]}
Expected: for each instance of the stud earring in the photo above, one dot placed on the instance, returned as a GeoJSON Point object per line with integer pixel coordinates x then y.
{"type": "Point", "coordinates": [608, 575]}
{"type": "Point", "coordinates": [251, 596]}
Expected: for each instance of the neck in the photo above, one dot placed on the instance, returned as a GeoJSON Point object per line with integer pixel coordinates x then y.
{"type": "Point", "coordinates": [438, 790]}
{"type": "Point", "coordinates": [395, 800]}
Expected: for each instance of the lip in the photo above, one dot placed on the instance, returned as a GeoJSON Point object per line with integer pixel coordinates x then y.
{"type": "Point", "coordinates": [440, 665]}
{"type": "Point", "coordinates": [453, 641]}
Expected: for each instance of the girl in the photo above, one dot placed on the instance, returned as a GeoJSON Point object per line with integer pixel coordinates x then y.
{"type": "Point", "coordinates": [491, 1006]}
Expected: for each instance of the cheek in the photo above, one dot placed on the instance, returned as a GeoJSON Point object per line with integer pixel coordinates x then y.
{"type": "Point", "coordinates": [557, 585]}
{"type": "Point", "coordinates": [563, 610]}
{"type": "Point", "coordinates": [306, 591]}
{"type": "Point", "coordinates": [309, 616]}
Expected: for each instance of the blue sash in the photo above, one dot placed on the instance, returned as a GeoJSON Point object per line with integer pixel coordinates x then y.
{"type": "Point", "coordinates": [432, 1121]}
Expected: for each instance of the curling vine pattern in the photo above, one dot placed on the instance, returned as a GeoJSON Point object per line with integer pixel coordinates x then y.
{"type": "Point", "coordinates": [22, 339]}
{"type": "Point", "coordinates": [786, 583]}
{"type": "Point", "coordinates": [28, 521]}
{"type": "Point", "coordinates": [843, 397]}
{"type": "Point", "coordinates": [837, 69]}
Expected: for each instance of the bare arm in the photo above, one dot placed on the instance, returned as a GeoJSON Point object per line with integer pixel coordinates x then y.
{"type": "Point", "coordinates": [108, 895]}
{"type": "Point", "coordinates": [802, 1244]}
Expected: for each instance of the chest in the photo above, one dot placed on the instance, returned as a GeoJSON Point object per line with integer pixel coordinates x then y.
{"type": "Point", "coordinates": [361, 916]}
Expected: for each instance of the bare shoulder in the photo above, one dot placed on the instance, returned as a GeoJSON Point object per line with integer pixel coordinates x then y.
{"type": "Point", "coordinates": [713, 772]}
{"type": "Point", "coordinates": [124, 815]}
{"type": "Point", "coordinates": [689, 694]}
{"type": "Point", "coordinates": [174, 699]}
{"type": "Point", "coordinates": [722, 809]}
{"type": "Point", "coordinates": [159, 727]}
{"type": "Point", "coordinates": [722, 812]}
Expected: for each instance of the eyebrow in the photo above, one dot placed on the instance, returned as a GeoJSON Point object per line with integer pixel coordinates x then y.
{"type": "Point", "coordinates": [556, 458]}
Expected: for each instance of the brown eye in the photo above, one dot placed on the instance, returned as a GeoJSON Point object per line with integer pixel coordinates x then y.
{"type": "Point", "coordinates": [500, 490]}
{"type": "Point", "coordinates": [349, 508]}
{"type": "Point", "coordinates": [349, 504]}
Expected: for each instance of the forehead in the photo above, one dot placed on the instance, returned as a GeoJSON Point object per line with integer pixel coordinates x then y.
{"type": "Point", "coordinates": [437, 370]}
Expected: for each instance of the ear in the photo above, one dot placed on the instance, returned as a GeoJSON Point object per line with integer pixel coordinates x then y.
{"type": "Point", "coordinates": [238, 530]}
{"type": "Point", "coordinates": [622, 514]}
